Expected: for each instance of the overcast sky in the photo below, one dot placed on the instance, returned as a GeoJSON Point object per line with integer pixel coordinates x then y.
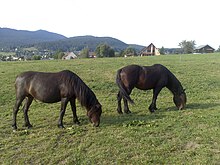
{"type": "Point", "coordinates": [162, 22]}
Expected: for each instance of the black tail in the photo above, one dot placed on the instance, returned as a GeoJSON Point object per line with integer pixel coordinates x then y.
{"type": "Point", "coordinates": [122, 88]}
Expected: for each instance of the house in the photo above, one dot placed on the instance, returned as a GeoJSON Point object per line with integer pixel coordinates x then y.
{"type": "Point", "coordinates": [92, 55]}
{"type": "Point", "coordinates": [69, 56]}
{"type": "Point", "coordinates": [150, 50]}
{"type": "Point", "coordinates": [204, 49]}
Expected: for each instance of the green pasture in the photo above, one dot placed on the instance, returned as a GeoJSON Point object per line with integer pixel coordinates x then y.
{"type": "Point", "coordinates": [168, 136]}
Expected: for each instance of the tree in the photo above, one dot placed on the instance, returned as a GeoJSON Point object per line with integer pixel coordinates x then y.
{"type": "Point", "coordinates": [84, 53]}
{"type": "Point", "coordinates": [111, 53]}
{"type": "Point", "coordinates": [36, 57]}
{"type": "Point", "coordinates": [187, 46]}
{"type": "Point", "coordinates": [104, 50]}
{"type": "Point", "coordinates": [129, 51]}
{"type": "Point", "coordinates": [59, 54]}
{"type": "Point", "coordinates": [162, 51]}
{"type": "Point", "coordinates": [218, 50]}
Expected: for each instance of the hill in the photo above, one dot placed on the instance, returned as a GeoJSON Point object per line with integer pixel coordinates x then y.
{"type": "Point", "coordinates": [80, 42]}
{"type": "Point", "coordinates": [15, 38]}
{"type": "Point", "coordinates": [41, 39]}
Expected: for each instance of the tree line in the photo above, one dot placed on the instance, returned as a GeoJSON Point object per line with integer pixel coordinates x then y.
{"type": "Point", "coordinates": [101, 51]}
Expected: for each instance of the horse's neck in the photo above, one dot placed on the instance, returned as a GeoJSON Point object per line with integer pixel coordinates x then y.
{"type": "Point", "coordinates": [174, 85]}
{"type": "Point", "coordinates": [85, 96]}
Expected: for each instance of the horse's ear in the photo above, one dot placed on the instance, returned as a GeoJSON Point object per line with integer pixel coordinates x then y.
{"type": "Point", "coordinates": [184, 90]}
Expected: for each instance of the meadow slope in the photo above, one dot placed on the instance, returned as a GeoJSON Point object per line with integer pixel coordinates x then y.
{"type": "Point", "coordinates": [168, 136]}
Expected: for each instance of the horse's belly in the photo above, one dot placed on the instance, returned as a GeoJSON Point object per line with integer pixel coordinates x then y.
{"type": "Point", "coordinates": [48, 98]}
{"type": "Point", "coordinates": [145, 85]}
{"type": "Point", "coordinates": [46, 95]}
{"type": "Point", "coordinates": [52, 99]}
{"type": "Point", "coordinates": [144, 88]}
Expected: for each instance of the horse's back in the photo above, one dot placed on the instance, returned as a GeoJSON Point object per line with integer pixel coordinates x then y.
{"type": "Point", "coordinates": [129, 75]}
{"type": "Point", "coordinates": [43, 86]}
{"type": "Point", "coordinates": [42, 77]}
{"type": "Point", "coordinates": [26, 78]}
{"type": "Point", "coordinates": [134, 69]}
{"type": "Point", "coordinates": [144, 77]}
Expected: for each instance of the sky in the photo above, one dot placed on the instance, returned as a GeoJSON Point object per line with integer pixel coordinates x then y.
{"type": "Point", "coordinates": [161, 22]}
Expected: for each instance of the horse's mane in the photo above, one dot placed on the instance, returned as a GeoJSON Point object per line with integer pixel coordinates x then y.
{"type": "Point", "coordinates": [82, 92]}
{"type": "Point", "coordinates": [174, 84]}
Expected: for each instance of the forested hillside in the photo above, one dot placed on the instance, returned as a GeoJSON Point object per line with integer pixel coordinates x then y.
{"type": "Point", "coordinates": [14, 38]}
{"type": "Point", "coordinates": [80, 42]}
{"type": "Point", "coordinates": [44, 40]}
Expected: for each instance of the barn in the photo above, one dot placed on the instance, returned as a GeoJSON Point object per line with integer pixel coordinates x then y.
{"type": "Point", "coordinates": [150, 50]}
{"type": "Point", "coordinates": [204, 49]}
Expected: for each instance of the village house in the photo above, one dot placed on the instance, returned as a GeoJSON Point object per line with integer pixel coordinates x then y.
{"type": "Point", "coordinates": [69, 56]}
{"type": "Point", "coordinates": [92, 55]}
{"type": "Point", "coordinates": [204, 49]}
{"type": "Point", "coordinates": [150, 50]}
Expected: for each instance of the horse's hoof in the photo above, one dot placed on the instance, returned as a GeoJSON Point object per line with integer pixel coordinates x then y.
{"type": "Point", "coordinates": [120, 112]}
{"type": "Point", "coordinates": [152, 110]}
{"type": "Point", "coordinates": [127, 112]}
{"type": "Point", "coordinates": [14, 127]}
{"type": "Point", "coordinates": [61, 126]}
{"type": "Point", "coordinates": [77, 122]}
{"type": "Point", "coordinates": [28, 126]}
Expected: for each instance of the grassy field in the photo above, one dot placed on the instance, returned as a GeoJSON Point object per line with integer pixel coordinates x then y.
{"type": "Point", "coordinates": [169, 136]}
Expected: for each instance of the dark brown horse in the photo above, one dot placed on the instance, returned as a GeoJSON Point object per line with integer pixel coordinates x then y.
{"type": "Point", "coordinates": [153, 77]}
{"type": "Point", "coordinates": [64, 86]}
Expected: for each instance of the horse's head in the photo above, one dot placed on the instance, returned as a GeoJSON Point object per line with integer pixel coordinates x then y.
{"type": "Point", "coordinates": [180, 100]}
{"type": "Point", "coordinates": [94, 114]}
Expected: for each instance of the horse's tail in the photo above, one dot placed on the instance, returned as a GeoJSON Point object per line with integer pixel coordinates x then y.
{"type": "Point", "coordinates": [122, 87]}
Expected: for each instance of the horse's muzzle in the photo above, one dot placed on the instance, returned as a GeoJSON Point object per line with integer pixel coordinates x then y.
{"type": "Point", "coordinates": [96, 124]}
{"type": "Point", "coordinates": [181, 107]}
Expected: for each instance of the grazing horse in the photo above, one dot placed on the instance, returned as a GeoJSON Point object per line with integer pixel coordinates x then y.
{"type": "Point", "coordinates": [64, 86]}
{"type": "Point", "coordinates": [153, 77]}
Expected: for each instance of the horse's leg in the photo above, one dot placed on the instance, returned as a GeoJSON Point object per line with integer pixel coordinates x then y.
{"type": "Point", "coordinates": [15, 111]}
{"type": "Point", "coordinates": [73, 106]}
{"type": "Point", "coordinates": [126, 108]}
{"type": "Point", "coordinates": [119, 97]}
{"type": "Point", "coordinates": [64, 102]}
{"type": "Point", "coordinates": [25, 109]}
{"type": "Point", "coordinates": [153, 106]}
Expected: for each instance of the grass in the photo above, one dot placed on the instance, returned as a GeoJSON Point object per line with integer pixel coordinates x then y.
{"type": "Point", "coordinates": [168, 136]}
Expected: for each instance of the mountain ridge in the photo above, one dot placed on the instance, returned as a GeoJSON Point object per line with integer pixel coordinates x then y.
{"type": "Point", "coordinates": [12, 37]}
{"type": "Point", "coordinates": [43, 39]}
